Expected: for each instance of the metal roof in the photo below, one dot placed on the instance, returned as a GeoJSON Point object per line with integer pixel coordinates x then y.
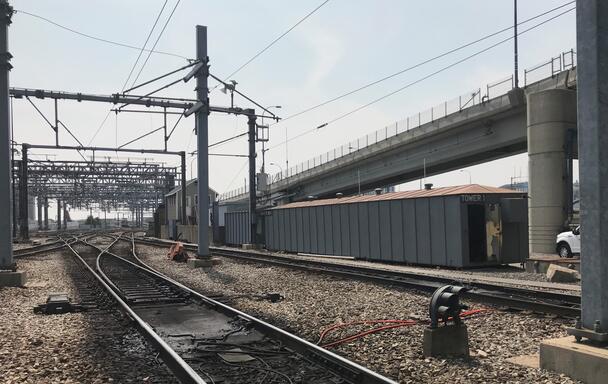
{"type": "Point", "coordinates": [469, 189]}
{"type": "Point", "coordinates": [188, 183]}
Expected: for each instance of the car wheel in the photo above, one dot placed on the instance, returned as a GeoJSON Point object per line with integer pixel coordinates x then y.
{"type": "Point", "coordinates": [563, 250]}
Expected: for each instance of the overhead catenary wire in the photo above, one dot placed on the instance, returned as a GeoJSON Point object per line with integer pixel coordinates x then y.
{"type": "Point", "coordinates": [156, 42]}
{"type": "Point", "coordinates": [477, 53]}
{"type": "Point", "coordinates": [144, 46]}
{"type": "Point", "coordinates": [116, 43]}
{"type": "Point", "coordinates": [417, 65]}
{"type": "Point", "coordinates": [246, 63]}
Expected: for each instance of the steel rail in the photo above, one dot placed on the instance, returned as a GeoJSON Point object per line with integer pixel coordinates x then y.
{"type": "Point", "coordinates": [547, 302]}
{"type": "Point", "coordinates": [339, 365]}
{"type": "Point", "coordinates": [183, 372]}
{"type": "Point", "coordinates": [511, 297]}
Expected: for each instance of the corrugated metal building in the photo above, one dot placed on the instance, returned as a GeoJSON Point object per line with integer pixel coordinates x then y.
{"type": "Point", "coordinates": [460, 226]}
{"type": "Point", "coordinates": [237, 228]}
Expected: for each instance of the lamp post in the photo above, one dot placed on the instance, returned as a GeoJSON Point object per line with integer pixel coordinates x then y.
{"type": "Point", "coordinates": [277, 165]}
{"type": "Point", "coordinates": [263, 142]}
{"type": "Point", "coordinates": [469, 172]}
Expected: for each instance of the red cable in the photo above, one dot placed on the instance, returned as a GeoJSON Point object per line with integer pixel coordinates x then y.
{"type": "Point", "coordinates": [394, 324]}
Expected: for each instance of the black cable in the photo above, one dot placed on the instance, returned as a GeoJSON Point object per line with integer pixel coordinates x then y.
{"type": "Point", "coordinates": [336, 98]}
{"type": "Point", "coordinates": [422, 79]}
{"type": "Point", "coordinates": [273, 42]}
{"type": "Point", "coordinates": [98, 38]}
{"type": "Point", "coordinates": [144, 46]}
{"type": "Point", "coordinates": [228, 139]}
{"type": "Point", "coordinates": [156, 42]}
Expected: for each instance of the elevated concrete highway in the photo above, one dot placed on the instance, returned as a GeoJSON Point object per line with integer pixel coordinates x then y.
{"type": "Point", "coordinates": [540, 117]}
{"type": "Point", "coordinates": [488, 131]}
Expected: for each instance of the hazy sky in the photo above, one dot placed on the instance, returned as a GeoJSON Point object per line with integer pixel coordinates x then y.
{"type": "Point", "coordinates": [345, 44]}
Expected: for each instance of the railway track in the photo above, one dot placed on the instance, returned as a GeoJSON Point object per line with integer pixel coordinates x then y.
{"type": "Point", "coordinates": [54, 245]}
{"type": "Point", "coordinates": [203, 340]}
{"type": "Point", "coordinates": [522, 299]}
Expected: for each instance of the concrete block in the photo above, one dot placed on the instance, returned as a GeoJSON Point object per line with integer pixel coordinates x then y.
{"type": "Point", "coordinates": [557, 274]}
{"type": "Point", "coordinates": [580, 361]}
{"type": "Point", "coordinates": [450, 340]}
{"type": "Point", "coordinates": [12, 279]}
{"type": "Point", "coordinates": [203, 262]}
{"type": "Point", "coordinates": [250, 246]}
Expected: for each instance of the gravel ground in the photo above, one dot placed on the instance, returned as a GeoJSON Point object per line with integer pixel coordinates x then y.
{"type": "Point", "coordinates": [98, 346]}
{"type": "Point", "coordinates": [313, 302]}
{"type": "Point", "coordinates": [520, 277]}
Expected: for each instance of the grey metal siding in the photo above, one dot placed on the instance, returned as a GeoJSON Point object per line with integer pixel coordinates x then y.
{"type": "Point", "coordinates": [423, 231]}
{"type": "Point", "coordinates": [320, 230]}
{"type": "Point", "coordinates": [327, 234]}
{"type": "Point", "coordinates": [453, 231]}
{"type": "Point", "coordinates": [437, 223]}
{"type": "Point", "coordinates": [314, 230]}
{"type": "Point", "coordinates": [344, 230]}
{"type": "Point", "coordinates": [299, 229]}
{"type": "Point", "coordinates": [353, 215]}
{"type": "Point", "coordinates": [336, 231]}
{"type": "Point", "coordinates": [384, 226]}
{"type": "Point", "coordinates": [293, 226]}
{"type": "Point", "coordinates": [410, 225]}
{"type": "Point", "coordinates": [364, 236]}
{"type": "Point", "coordinates": [306, 230]}
{"type": "Point", "coordinates": [397, 234]}
{"type": "Point", "coordinates": [374, 231]}
{"type": "Point", "coordinates": [237, 228]}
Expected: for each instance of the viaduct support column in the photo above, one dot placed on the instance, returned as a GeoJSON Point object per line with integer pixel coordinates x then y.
{"type": "Point", "coordinates": [551, 114]}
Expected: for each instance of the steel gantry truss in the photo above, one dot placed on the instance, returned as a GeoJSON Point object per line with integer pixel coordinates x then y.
{"type": "Point", "coordinates": [105, 185]}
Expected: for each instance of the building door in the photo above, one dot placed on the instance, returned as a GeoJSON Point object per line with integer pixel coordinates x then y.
{"type": "Point", "coordinates": [493, 232]}
{"type": "Point", "coordinates": [477, 233]}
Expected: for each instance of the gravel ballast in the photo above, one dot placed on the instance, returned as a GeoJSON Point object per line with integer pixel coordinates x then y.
{"type": "Point", "coordinates": [313, 302]}
{"type": "Point", "coordinates": [98, 346]}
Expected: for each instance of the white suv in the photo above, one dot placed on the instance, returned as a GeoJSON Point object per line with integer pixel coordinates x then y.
{"type": "Point", "coordinates": [569, 243]}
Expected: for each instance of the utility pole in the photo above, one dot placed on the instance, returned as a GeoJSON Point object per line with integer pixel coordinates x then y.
{"type": "Point", "coordinates": [183, 194]}
{"type": "Point", "coordinates": [592, 42]}
{"type": "Point", "coordinates": [6, 241]}
{"type": "Point", "coordinates": [515, 53]}
{"type": "Point", "coordinates": [23, 203]}
{"type": "Point", "coordinates": [251, 118]}
{"type": "Point", "coordinates": [202, 142]}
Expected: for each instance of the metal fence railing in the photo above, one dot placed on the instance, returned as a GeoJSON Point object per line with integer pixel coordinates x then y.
{"type": "Point", "coordinates": [550, 68]}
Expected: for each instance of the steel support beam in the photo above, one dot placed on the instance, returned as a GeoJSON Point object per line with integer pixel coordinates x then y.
{"type": "Point", "coordinates": [114, 99]}
{"type": "Point", "coordinates": [183, 212]}
{"type": "Point", "coordinates": [6, 241]}
{"type": "Point", "coordinates": [23, 203]}
{"type": "Point", "coordinates": [39, 212]}
{"type": "Point", "coordinates": [252, 184]}
{"type": "Point", "coordinates": [592, 43]}
{"type": "Point", "coordinates": [46, 213]}
{"type": "Point", "coordinates": [58, 214]}
{"type": "Point", "coordinates": [202, 142]}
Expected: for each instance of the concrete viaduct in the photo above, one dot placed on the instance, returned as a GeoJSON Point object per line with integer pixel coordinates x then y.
{"type": "Point", "coordinates": [539, 119]}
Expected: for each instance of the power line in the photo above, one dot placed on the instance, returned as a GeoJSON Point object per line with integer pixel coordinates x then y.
{"type": "Point", "coordinates": [361, 88]}
{"type": "Point", "coordinates": [273, 42]}
{"type": "Point", "coordinates": [144, 46]}
{"type": "Point", "coordinates": [156, 42]}
{"type": "Point", "coordinates": [422, 79]}
{"type": "Point", "coordinates": [98, 38]}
